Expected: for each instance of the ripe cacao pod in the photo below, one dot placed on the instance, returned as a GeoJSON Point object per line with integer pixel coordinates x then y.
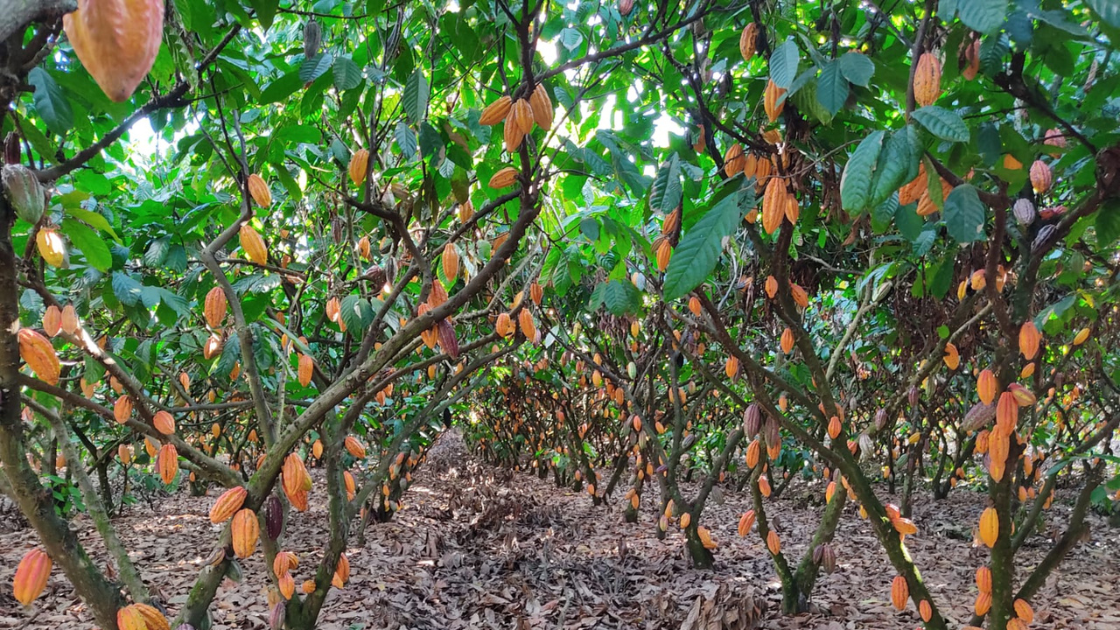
{"type": "Point", "coordinates": [122, 409]}
{"type": "Point", "coordinates": [541, 105]}
{"type": "Point", "coordinates": [989, 527]}
{"type": "Point", "coordinates": [1023, 396]}
{"type": "Point", "coordinates": [952, 357]}
{"type": "Point", "coordinates": [214, 309]}
{"type": "Point", "coordinates": [359, 164]}
{"type": "Point", "coordinates": [748, 41]}
{"type": "Point", "coordinates": [774, 205]}
{"type": "Point", "coordinates": [1023, 611]}
{"type": "Point", "coordinates": [799, 295]}
{"type": "Point", "coordinates": [521, 116]}
{"type": "Point", "coordinates": [986, 386]}
{"type": "Point", "coordinates": [1007, 413]}
{"type": "Point", "coordinates": [773, 543]}
{"type": "Point", "coordinates": [253, 244]}
{"type": "Point", "coordinates": [245, 531]}
{"type": "Point", "coordinates": [52, 321]}
{"type": "Point", "coordinates": [168, 463]}
{"type": "Point", "coordinates": [449, 260]}
{"type": "Point", "coordinates": [31, 576]}
{"type": "Point", "coordinates": [51, 246]}
{"type": "Point", "coordinates": [1041, 177]}
{"type": "Point", "coordinates": [213, 347]}
{"type": "Point", "coordinates": [1081, 337]}
{"type": "Point", "coordinates": [496, 112]}
{"type": "Point", "coordinates": [164, 422]}
{"type": "Point", "coordinates": [927, 80]}
{"type": "Point", "coordinates": [130, 618]}
{"type": "Point", "coordinates": [117, 42]}
{"type": "Point", "coordinates": [287, 588]}
{"type": "Point", "coordinates": [773, 100]}
{"type": "Point", "coordinates": [306, 368]}
{"type": "Point", "coordinates": [900, 592]}
{"type": "Point", "coordinates": [787, 341]}
{"type": "Point", "coordinates": [153, 618]}
{"type": "Point", "coordinates": [983, 603]}
{"type": "Point", "coordinates": [23, 191]}
{"type": "Point", "coordinates": [754, 451]}
{"type": "Point", "coordinates": [925, 610]}
{"type": "Point", "coordinates": [355, 447]}
{"type": "Point", "coordinates": [70, 324]}
{"type": "Point", "coordinates": [1029, 340]}
{"type": "Point", "coordinates": [664, 252]}
{"type": "Point", "coordinates": [984, 579]}
{"type": "Point", "coordinates": [734, 160]}
{"type": "Point", "coordinates": [746, 521]}
{"type": "Point", "coordinates": [686, 520]}
{"type": "Point", "coordinates": [503, 178]}
{"type": "Point", "coordinates": [341, 572]}
{"type": "Point", "coordinates": [504, 325]}
{"type": "Point", "coordinates": [259, 191]}
{"type": "Point", "coordinates": [124, 452]}
{"type": "Point", "coordinates": [228, 504]}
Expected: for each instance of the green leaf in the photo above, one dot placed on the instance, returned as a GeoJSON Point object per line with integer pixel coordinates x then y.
{"type": "Point", "coordinates": [619, 296]}
{"type": "Point", "coordinates": [666, 193]}
{"type": "Point", "coordinates": [982, 15]}
{"type": "Point", "coordinates": [857, 68]}
{"type": "Point", "coordinates": [855, 183]}
{"type": "Point", "coordinates": [415, 98]}
{"type": "Point", "coordinates": [90, 243]}
{"type": "Point", "coordinates": [1108, 223]}
{"type": "Point", "coordinates": [357, 313]}
{"type": "Point", "coordinates": [281, 88]}
{"type": "Point", "coordinates": [964, 214]}
{"type": "Point", "coordinates": [783, 64]}
{"type": "Point", "coordinates": [895, 161]}
{"type": "Point", "coordinates": [942, 123]}
{"type": "Point", "coordinates": [571, 38]}
{"type": "Point", "coordinates": [347, 74]}
{"type": "Point", "coordinates": [311, 69]}
{"type": "Point", "coordinates": [266, 11]}
{"type": "Point", "coordinates": [406, 140]}
{"type": "Point", "coordinates": [50, 102]}
{"type": "Point", "coordinates": [126, 288]}
{"type": "Point", "coordinates": [1108, 10]}
{"type": "Point", "coordinates": [696, 255]}
{"type": "Point", "coordinates": [94, 219]}
{"type": "Point", "coordinates": [832, 87]}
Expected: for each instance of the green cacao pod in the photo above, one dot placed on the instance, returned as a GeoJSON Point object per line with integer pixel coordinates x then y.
{"type": "Point", "coordinates": [23, 192]}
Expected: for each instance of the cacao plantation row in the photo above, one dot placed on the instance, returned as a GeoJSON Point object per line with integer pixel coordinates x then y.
{"type": "Point", "coordinates": [258, 259]}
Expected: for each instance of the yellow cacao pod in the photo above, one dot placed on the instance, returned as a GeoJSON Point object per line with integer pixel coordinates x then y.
{"type": "Point", "coordinates": [521, 116]}
{"type": "Point", "coordinates": [734, 160]}
{"type": "Point", "coordinates": [748, 41]}
{"type": "Point", "coordinates": [989, 527]}
{"type": "Point", "coordinates": [117, 42]}
{"type": "Point", "coordinates": [542, 107]}
{"type": "Point", "coordinates": [773, 100]}
{"type": "Point", "coordinates": [986, 386]}
{"type": "Point", "coordinates": [51, 246]}
{"type": "Point", "coordinates": [153, 618]}
{"type": "Point", "coordinates": [130, 618]}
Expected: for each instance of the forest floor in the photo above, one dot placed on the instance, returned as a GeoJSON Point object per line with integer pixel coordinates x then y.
{"type": "Point", "coordinates": [477, 547]}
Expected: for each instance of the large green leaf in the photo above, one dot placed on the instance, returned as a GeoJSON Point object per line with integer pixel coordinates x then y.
{"type": "Point", "coordinates": [982, 15]}
{"type": "Point", "coordinates": [90, 243]}
{"type": "Point", "coordinates": [832, 87]}
{"type": "Point", "coordinates": [783, 64]}
{"type": "Point", "coordinates": [696, 256]}
{"type": "Point", "coordinates": [666, 192]}
{"type": "Point", "coordinates": [964, 214]}
{"type": "Point", "coordinates": [415, 98]}
{"type": "Point", "coordinates": [942, 123]}
{"type": "Point", "coordinates": [50, 102]}
{"type": "Point", "coordinates": [859, 172]}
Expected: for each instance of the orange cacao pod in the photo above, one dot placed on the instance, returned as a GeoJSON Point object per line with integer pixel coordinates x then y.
{"type": "Point", "coordinates": [503, 178]}
{"type": "Point", "coordinates": [542, 107]}
{"type": "Point", "coordinates": [496, 112]}
{"type": "Point", "coordinates": [168, 463]}
{"type": "Point", "coordinates": [900, 592]}
{"type": "Point", "coordinates": [1029, 340]}
{"type": "Point", "coordinates": [130, 618]}
{"type": "Point", "coordinates": [117, 42]}
{"type": "Point", "coordinates": [39, 355]}
{"type": "Point", "coordinates": [31, 576]}
{"type": "Point", "coordinates": [286, 584]}
{"type": "Point", "coordinates": [664, 252]}
{"type": "Point", "coordinates": [308, 586]}
{"type": "Point", "coordinates": [746, 521]}
{"type": "Point", "coordinates": [1023, 611]}
{"type": "Point", "coordinates": [1023, 396]}
{"type": "Point", "coordinates": [259, 191]}
{"type": "Point", "coordinates": [504, 325]}
{"type": "Point", "coordinates": [771, 286]}
{"type": "Point", "coordinates": [686, 520]}
{"type": "Point", "coordinates": [153, 618]}
{"type": "Point", "coordinates": [774, 205]}
{"type": "Point", "coordinates": [925, 610]}
{"type": "Point", "coordinates": [306, 367]}
{"type": "Point", "coordinates": [536, 293]}
{"type": "Point", "coordinates": [164, 422]}
{"type": "Point", "coordinates": [214, 308]}
{"type": "Point", "coordinates": [355, 447]}
{"type": "Point", "coordinates": [989, 527]}
{"type": "Point", "coordinates": [52, 321]}
{"type": "Point", "coordinates": [986, 386]}
{"type": "Point", "coordinates": [228, 504]}
{"type": "Point", "coordinates": [773, 543]}
{"type": "Point", "coordinates": [1081, 337]}
{"type": "Point", "coordinates": [283, 562]}
{"type": "Point", "coordinates": [787, 341]}
{"type": "Point", "coordinates": [69, 322]}
{"type": "Point", "coordinates": [449, 260]}
{"type": "Point", "coordinates": [253, 245]}
{"type": "Point", "coordinates": [245, 531]}
{"type": "Point", "coordinates": [213, 347]}
{"type": "Point", "coordinates": [1007, 413]}
{"type": "Point", "coordinates": [764, 486]}
{"type": "Point", "coordinates": [521, 116]}
{"type": "Point", "coordinates": [773, 100]}
{"type": "Point", "coordinates": [124, 451]}
{"type": "Point", "coordinates": [512, 134]}
{"type": "Point", "coordinates": [927, 80]}
{"type": "Point", "coordinates": [359, 164]}
{"type": "Point", "coordinates": [341, 572]}
{"type": "Point", "coordinates": [754, 451]}
{"type": "Point", "coordinates": [734, 160]}
{"type": "Point", "coordinates": [952, 357]}
{"type": "Point", "coordinates": [748, 41]}
{"type": "Point", "coordinates": [984, 579]}
{"type": "Point", "coordinates": [983, 603]}
{"type": "Point", "coordinates": [122, 409]}
{"type": "Point", "coordinates": [1041, 177]}
{"type": "Point", "coordinates": [317, 449]}
{"type": "Point", "coordinates": [799, 295]}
